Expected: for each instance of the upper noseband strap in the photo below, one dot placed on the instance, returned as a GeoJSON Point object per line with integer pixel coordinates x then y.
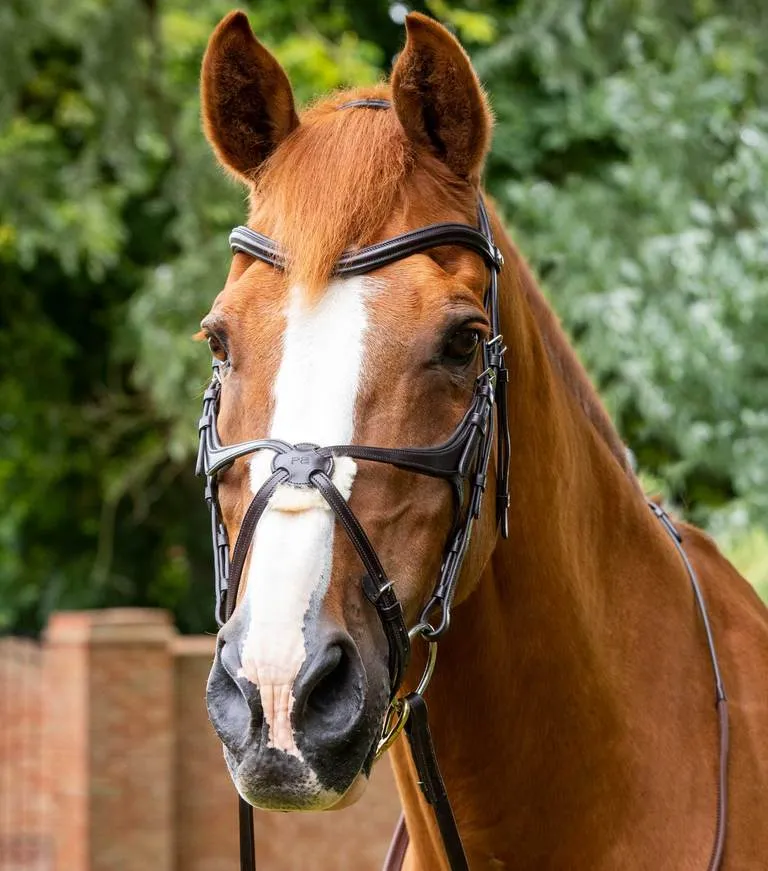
{"type": "Point", "coordinates": [448, 460]}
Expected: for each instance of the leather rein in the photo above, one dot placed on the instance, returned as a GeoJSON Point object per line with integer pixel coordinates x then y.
{"type": "Point", "coordinates": [462, 461]}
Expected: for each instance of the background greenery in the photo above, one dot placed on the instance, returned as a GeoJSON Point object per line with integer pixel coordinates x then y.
{"type": "Point", "coordinates": [630, 159]}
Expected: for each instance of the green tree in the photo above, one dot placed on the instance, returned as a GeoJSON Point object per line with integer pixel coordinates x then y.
{"type": "Point", "coordinates": [113, 222]}
{"type": "Point", "coordinates": [630, 159]}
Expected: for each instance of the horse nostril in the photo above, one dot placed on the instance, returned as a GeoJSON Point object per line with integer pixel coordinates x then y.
{"type": "Point", "coordinates": [331, 682]}
{"type": "Point", "coordinates": [329, 696]}
{"type": "Point", "coordinates": [234, 706]}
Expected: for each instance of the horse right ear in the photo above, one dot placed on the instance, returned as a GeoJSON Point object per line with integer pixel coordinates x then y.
{"type": "Point", "coordinates": [247, 101]}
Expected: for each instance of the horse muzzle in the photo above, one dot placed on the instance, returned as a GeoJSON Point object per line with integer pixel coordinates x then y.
{"type": "Point", "coordinates": [297, 740]}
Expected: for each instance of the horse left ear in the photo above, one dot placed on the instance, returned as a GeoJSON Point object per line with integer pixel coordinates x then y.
{"type": "Point", "coordinates": [438, 98]}
{"type": "Point", "coordinates": [247, 102]}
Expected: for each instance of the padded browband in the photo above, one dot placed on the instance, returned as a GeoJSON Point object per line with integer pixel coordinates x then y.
{"type": "Point", "coordinates": [247, 241]}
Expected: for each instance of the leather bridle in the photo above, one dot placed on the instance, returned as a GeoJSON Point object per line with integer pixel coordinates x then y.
{"type": "Point", "coordinates": [462, 461]}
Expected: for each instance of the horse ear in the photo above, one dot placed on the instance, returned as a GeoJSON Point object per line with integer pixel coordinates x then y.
{"type": "Point", "coordinates": [247, 101]}
{"type": "Point", "coordinates": [438, 97]}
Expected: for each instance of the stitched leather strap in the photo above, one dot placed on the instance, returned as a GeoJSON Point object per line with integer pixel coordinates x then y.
{"type": "Point", "coordinates": [721, 701]}
{"type": "Point", "coordinates": [255, 244]}
{"type": "Point", "coordinates": [431, 781]}
{"type": "Point", "coordinates": [376, 586]}
{"type": "Point", "coordinates": [449, 460]}
{"type": "Point", "coordinates": [495, 361]}
{"type": "Point", "coordinates": [247, 835]}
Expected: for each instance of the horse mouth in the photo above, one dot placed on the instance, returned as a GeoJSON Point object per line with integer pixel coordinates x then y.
{"type": "Point", "coordinates": [276, 781]}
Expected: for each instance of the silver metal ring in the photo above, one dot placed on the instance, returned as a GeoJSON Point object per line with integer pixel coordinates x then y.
{"type": "Point", "coordinates": [429, 669]}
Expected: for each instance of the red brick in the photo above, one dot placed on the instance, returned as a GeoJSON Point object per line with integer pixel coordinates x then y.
{"type": "Point", "coordinates": [108, 762]}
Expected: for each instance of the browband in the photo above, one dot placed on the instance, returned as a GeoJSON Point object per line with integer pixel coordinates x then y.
{"type": "Point", "coordinates": [247, 241]}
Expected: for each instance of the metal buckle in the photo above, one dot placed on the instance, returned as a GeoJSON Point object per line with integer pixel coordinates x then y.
{"type": "Point", "coordinates": [394, 723]}
{"type": "Point", "coordinates": [490, 374]}
{"type": "Point", "coordinates": [398, 710]}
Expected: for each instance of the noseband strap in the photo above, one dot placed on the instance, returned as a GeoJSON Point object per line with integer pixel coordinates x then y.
{"type": "Point", "coordinates": [376, 586]}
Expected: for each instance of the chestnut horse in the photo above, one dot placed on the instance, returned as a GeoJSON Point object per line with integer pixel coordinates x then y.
{"type": "Point", "coordinates": [571, 708]}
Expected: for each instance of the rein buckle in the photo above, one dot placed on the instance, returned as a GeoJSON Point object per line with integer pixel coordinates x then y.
{"type": "Point", "coordinates": [399, 710]}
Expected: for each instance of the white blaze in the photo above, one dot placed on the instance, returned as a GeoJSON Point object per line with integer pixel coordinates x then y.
{"type": "Point", "coordinates": [315, 393]}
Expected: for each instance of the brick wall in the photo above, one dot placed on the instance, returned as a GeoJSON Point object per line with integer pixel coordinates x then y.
{"type": "Point", "coordinates": [25, 794]}
{"type": "Point", "coordinates": [354, 839]}
{"type": "Point", "coordinates": [137, 779]}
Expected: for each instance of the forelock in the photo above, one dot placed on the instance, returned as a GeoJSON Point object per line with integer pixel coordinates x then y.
{"type": "Point", "coordinates": [331, 185]}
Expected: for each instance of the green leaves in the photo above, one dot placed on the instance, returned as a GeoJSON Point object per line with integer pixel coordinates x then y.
{"type": "Point", "coordinates": [113, 226]}
{"type": "Point", "coordinates": [630, 159]}
{"type": "Point", "coordinates": [634, 179]}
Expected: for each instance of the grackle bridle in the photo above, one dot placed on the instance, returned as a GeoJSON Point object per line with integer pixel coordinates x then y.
{"type": "Point", "coordinates": [462, 461]}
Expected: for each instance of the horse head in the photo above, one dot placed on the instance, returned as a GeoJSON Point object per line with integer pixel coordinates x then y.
{"type": "Point", "coordinates": [308, 355]}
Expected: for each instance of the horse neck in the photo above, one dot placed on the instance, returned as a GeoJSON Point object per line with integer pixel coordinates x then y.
{"type": "Point", "coordinates": [547, 698]}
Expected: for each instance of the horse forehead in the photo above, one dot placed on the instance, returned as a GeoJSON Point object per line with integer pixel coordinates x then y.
{"type": "Point", "coordinates": [323, 347]}
{"type": "Point", "coordinates": [387, 310]}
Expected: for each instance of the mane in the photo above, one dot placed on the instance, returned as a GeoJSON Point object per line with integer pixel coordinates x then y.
{"type": "Point", "coordinates": [563, 358]}
{"type": "Point", "coordinates": [331, 184]}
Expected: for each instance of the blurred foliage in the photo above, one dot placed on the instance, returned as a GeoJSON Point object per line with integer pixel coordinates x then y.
{"type": "Point", "coordinates": [631, 161]}
{"type": "Point", "coordinates": [749, 553]}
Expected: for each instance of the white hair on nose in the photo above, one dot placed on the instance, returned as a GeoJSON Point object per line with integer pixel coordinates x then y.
{"type": "Point", "coordinates": [315, 395]}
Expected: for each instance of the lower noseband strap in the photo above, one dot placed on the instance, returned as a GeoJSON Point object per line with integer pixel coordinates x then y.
{"type": "Point", "coordinates": [376, 586]}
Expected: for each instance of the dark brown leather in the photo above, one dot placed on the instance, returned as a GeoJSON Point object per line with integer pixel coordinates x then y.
{"type": "Point", "coordinates": [247, 835]}
{"type": "Point", "coordinates": [431, 781]}
{"type": "Point", "coordinates": [398, 847]}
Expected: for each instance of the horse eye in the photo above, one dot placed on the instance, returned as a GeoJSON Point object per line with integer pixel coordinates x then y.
{"type": "Point", "coordinates": [461, 346]}
{"type": "Point", "coordinates": [217, 348]}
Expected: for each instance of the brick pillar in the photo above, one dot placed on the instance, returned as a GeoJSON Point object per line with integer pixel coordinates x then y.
{"type": "Point", "coordinates": [354, 839]}
{"type": "Point", "coordinates": [206, 801]}
{"type": "Point", "coordinates": [109, 688]}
